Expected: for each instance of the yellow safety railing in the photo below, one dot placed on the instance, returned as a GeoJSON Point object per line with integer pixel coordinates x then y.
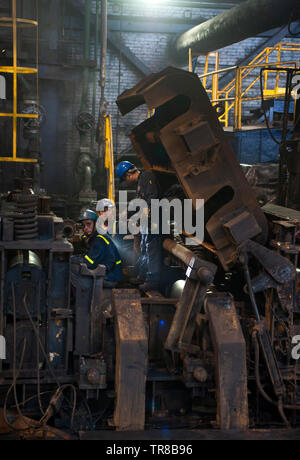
{"type": "Point", "coordinates": [235, 93]}
{"type": "Point", "coordinates": [215, 80]}
{"type": "Point", "coordinates": [15, 22]}
{"type": "Point", "coordinates": [109, 158]}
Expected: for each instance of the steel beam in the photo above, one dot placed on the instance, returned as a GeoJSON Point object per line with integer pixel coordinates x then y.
{"type": "Point", "coordinates": [189, 4]}
{"type": "Point", "coordinates": [137, 63]}
{"type": "Point", "coordinates": [57, 72]}
{"type": "Point", "coordinates": [128, 55]}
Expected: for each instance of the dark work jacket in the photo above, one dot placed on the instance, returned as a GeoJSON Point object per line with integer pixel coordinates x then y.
{"type": "Point", "coordinates": [148, 189]}
{"type": "Point", "coordinates": [102, 251]}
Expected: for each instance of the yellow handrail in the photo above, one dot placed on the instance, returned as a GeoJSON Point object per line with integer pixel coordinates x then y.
{"type": "Point", "coordinates": [15, 70]}
{"type": "Point", "coordinates": [234, 93]}
{"type": "Point", "coordinates": [109, 158]}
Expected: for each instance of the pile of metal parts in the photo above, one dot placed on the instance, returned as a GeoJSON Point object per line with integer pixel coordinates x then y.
{"type": "Point", "coordinates": [216, 352]}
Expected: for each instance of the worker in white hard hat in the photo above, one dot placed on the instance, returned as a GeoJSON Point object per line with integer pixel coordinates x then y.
{"type": "Point", "coordinates": [106, 211]}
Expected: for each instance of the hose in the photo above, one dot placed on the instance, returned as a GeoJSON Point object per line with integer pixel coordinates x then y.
{"type": "Point", "coordinates": [40, 425]}
{"type": "Point", "coordinates": [263, 108]}
{"type": "Point", "coordinates": [60, 388]}
{"type": "Point", "coordinates": [11, 387]}
{"type": "Point", "coordinates": [279, 404]}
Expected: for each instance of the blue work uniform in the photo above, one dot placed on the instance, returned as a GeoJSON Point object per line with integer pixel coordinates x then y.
{"type": "Point", "coordinates": [102, 251]}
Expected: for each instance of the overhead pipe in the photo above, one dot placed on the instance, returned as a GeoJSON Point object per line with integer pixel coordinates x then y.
{"type": "Point", "coordinates": [102, 82]}
{"type": "Point", "coordinates": [249, 19]}
{"type": "Point", "coordinates": [103, 53]}
{"type": "Point", "coordinates": [85, 163]}
{"type": "Point", "coordinates": [209, 4]}
{"type": "Point", "coordinates": [96, 48]}
{"type": "Point", "coordinates": [101, 124]}
{"type": "Point", "coordinates": [87, 38]}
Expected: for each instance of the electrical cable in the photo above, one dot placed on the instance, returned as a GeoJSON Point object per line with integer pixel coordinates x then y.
{"type": "Point", "coordinates": [38, 337]}
{"type": "Point", "coordinates": [250, 289]}
{"type": "Point", "coordinates": [30, 425]}
{"type": "Point", "coordinates": [263, 107]}
{"type": "Point", "coordinates": [60, 387]}
{"type": "Point", "coordinates": [289, 89]}
{"type": "Point", "coordinates": [259, 385]}
{"type": "Point", "coordinates": [280, 406]}
{"type": "Point", "coordinates": [59, 391]}
{"type": "Point", "coordinates": [38, 360]}
{"type": "Point", "coordinates": [31, 398]}
{"type": "Point", "coordinates": [11, 387]}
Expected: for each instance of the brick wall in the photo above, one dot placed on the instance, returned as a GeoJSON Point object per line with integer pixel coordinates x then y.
{"type": "Point", "coordinates": [152, 49]}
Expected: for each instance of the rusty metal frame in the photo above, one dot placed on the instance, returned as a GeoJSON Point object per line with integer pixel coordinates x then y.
{"type": "Point", "coordinates": [199, 155]}
{"type": "Point", "coordinates": [230, 366]}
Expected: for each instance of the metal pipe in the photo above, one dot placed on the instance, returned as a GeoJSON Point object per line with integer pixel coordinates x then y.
{"type": "Point", "coordinates": [96, 48]}
{"type": "Point", "coordinates": [87, 36]}
{"type": "Point", "coordinates": [205, 273]}
{"type": "Point", "coordinates": [187, 3]}
{"type": "Point", "coordinates": [102, 107]}
{"type": "Point", "coordinates": [249, 19]}
{"type": "Point", "coordinates": [103, 52]}
{"type": "Point", "coordinates": [87, 186]}
{"type": "Point", "coordinates": [179, 251]}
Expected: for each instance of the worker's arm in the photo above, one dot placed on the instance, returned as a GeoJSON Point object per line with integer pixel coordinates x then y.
{"type": "Point", "coordinates": [100, 254]}
{"type": "Point", "coordinates": [94, 254]}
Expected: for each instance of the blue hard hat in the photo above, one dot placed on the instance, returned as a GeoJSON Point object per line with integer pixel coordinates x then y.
{"type": "Point", "coordinates": [88, 214]}
{"type": "Point", "coordinates": [122, 168]}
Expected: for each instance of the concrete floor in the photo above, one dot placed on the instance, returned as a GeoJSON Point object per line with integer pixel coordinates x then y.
{"type": "Point", "coordinates": [193, 435]}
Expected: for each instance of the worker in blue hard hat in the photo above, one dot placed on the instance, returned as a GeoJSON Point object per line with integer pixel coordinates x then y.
{"type": "Point", "coordinates": [100, 250]}
{"type": "Point", "coordinates": [123, 168]}
{"type": "Point", "coordinates": [150, 261]}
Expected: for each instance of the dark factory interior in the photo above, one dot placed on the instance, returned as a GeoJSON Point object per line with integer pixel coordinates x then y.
{"type": "Point", "coordinates": [149, 221]}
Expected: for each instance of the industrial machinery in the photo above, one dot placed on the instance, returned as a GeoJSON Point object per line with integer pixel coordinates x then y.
{"type": "Point", "coordinates": [214, 348]}
{"type": "Point", "coordinates": [46, 323]}
{"type": "Point", "coordinates": [238, 315]}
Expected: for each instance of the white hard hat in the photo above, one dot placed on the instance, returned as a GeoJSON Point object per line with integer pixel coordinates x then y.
{"type": "Point", "coordinates": [105, 203]}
